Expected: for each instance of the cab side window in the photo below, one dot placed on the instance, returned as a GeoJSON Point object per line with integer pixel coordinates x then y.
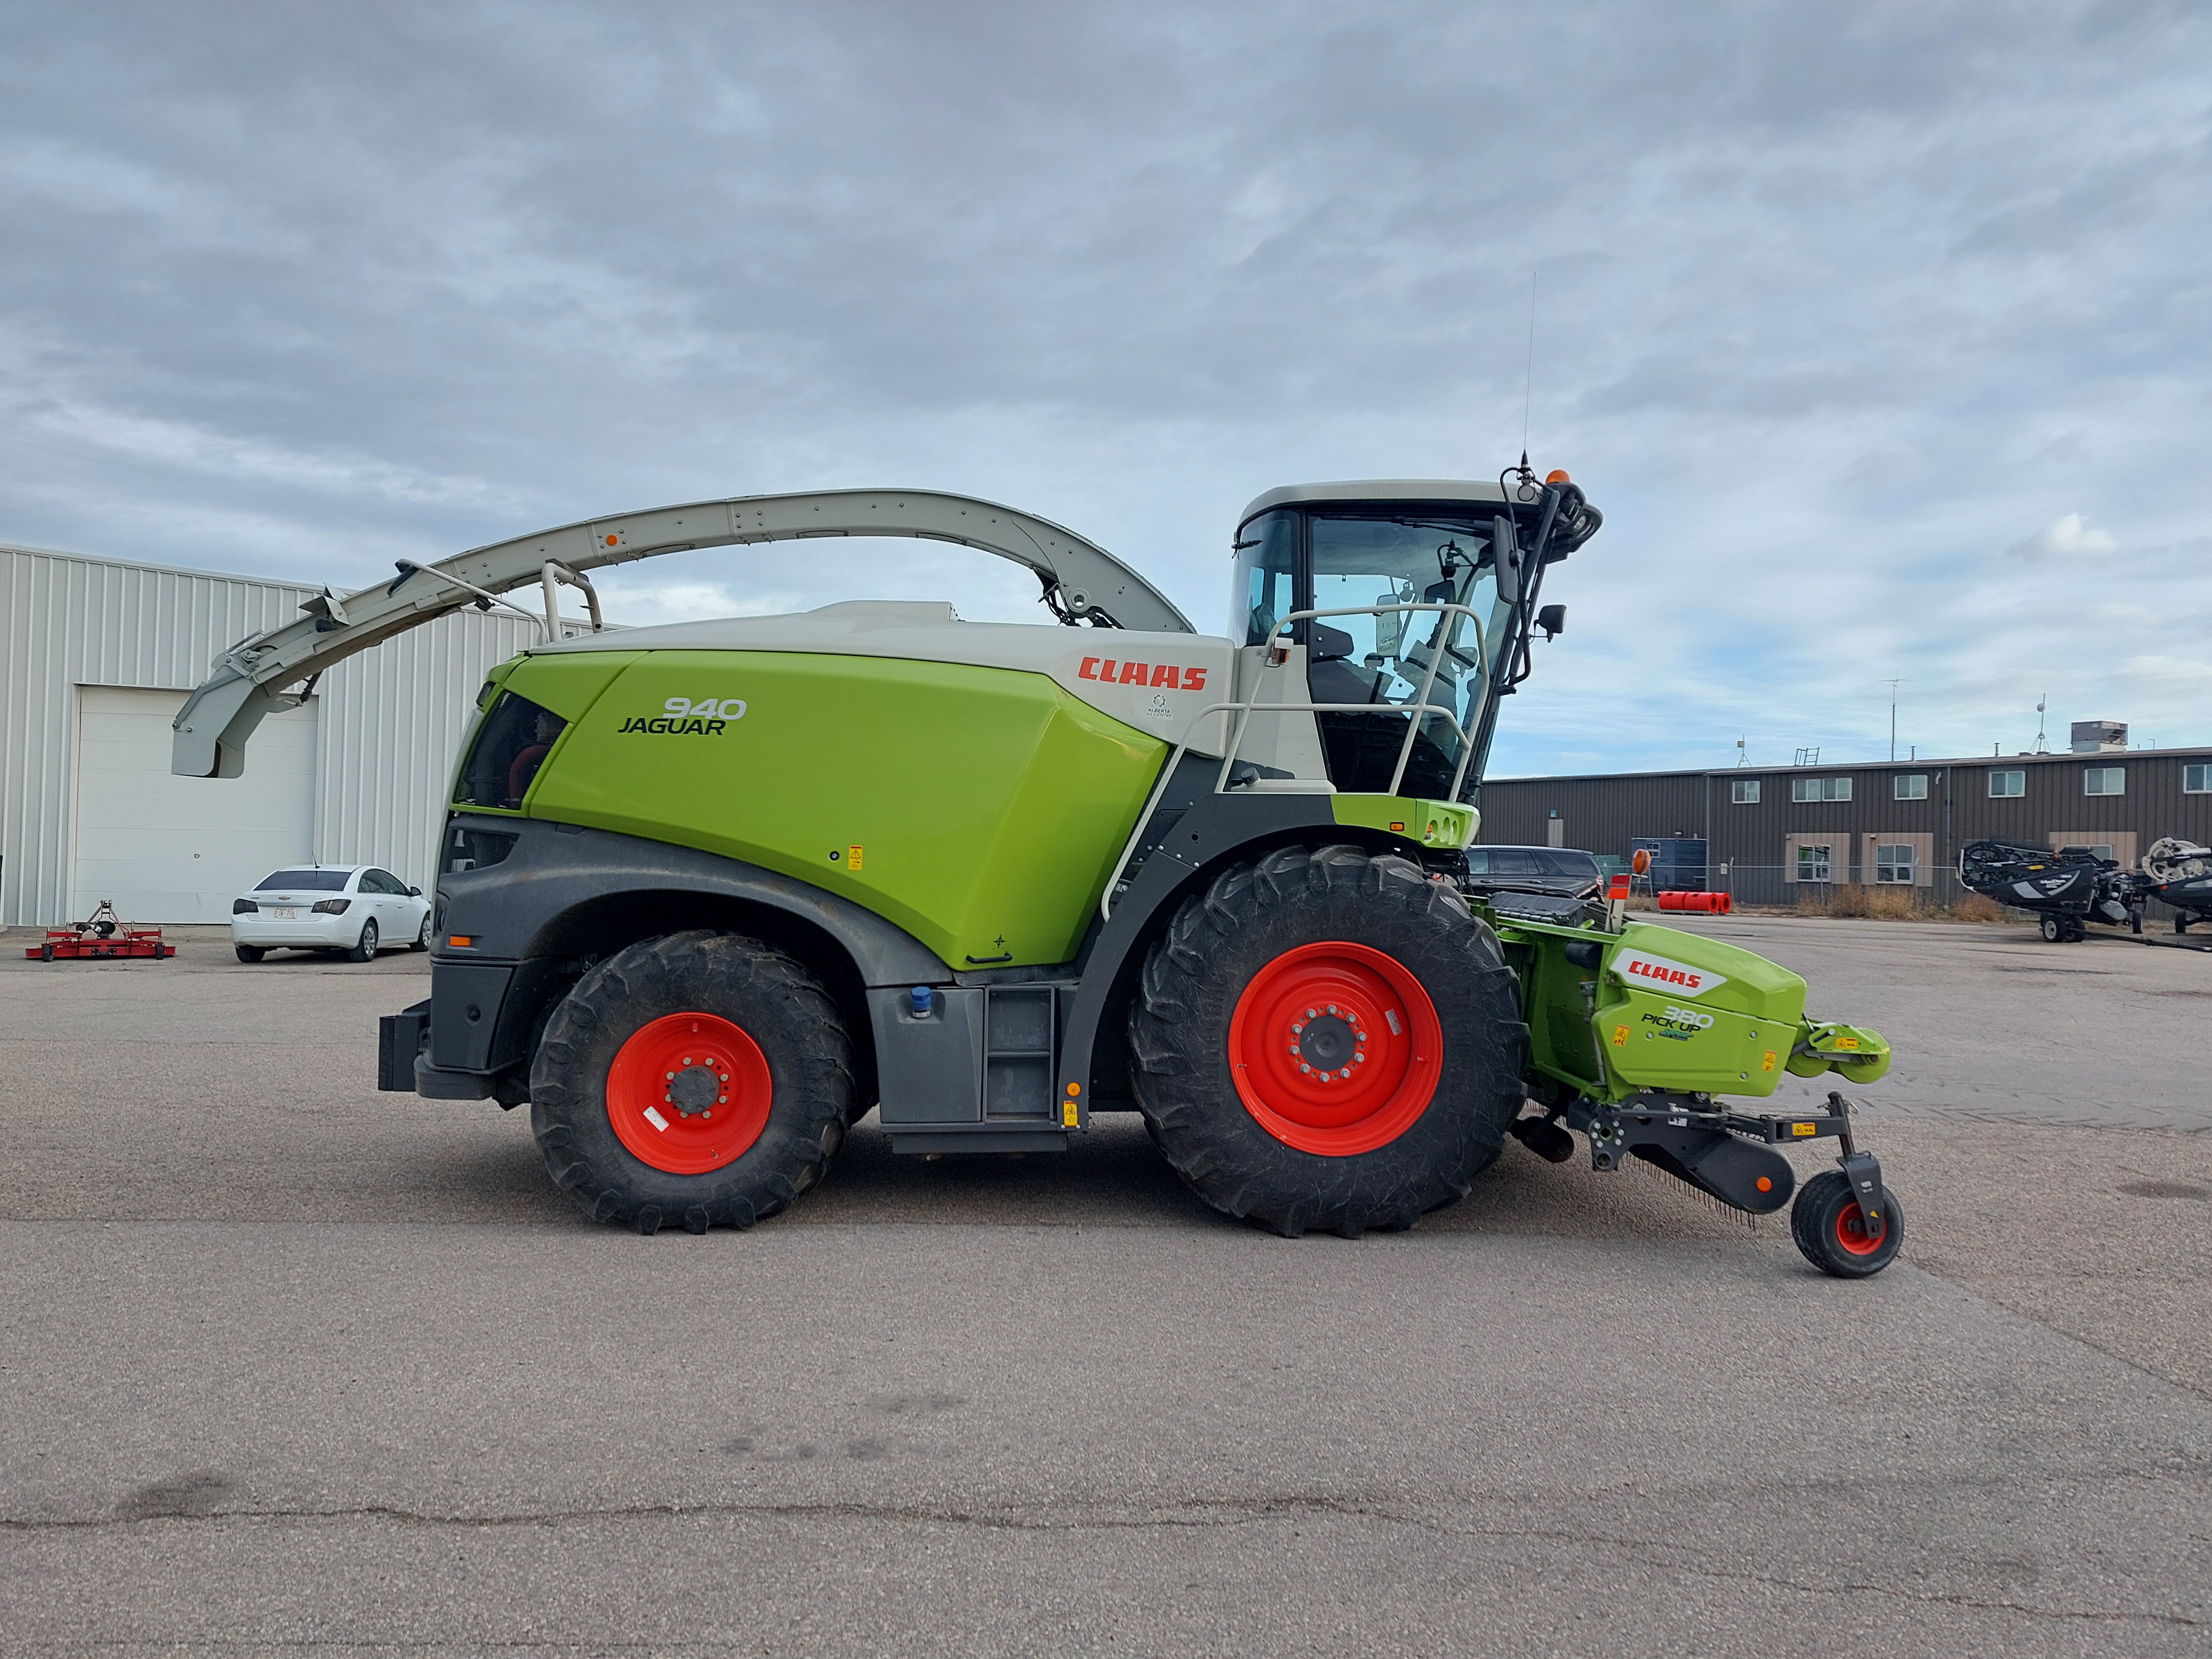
{"type": "Point", "coordinates": [1268, 548]}
{"type": "Point", "coordinates": [511, 745]}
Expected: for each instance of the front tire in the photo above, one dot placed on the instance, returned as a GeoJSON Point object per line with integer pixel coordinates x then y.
{"type": "Point", "coordinates": [423, 934]}
{"type": "Point", "coordinates": [1328, 1040]}
{"type": "Point", "coordinates": [2053, 930]}
{"type": "Point", "coordinates": [699, 1078]}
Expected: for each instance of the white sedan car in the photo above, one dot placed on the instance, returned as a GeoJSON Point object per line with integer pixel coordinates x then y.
{"type": "Point", "coordinates": [354, 908]}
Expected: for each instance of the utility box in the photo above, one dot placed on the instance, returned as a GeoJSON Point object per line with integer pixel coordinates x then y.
{"type": "Point", "coordinates": [1677, 862]}
{"type": "Point", "coordinates": [2100, 737]}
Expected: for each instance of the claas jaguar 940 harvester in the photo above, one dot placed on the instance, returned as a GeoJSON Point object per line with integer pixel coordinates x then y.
{"type": "Point", "coordinates": [710, 892]}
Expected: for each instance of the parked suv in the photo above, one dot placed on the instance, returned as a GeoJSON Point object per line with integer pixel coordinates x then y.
{"type": "Point", "coordinates": [1561, 872]}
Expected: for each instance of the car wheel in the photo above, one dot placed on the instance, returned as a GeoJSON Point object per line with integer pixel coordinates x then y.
{"type": "Point", "coordinates": [423, 934]}
{"type": "Point", "coordinates": [365, 950]}
{"type": "Point", "coordinates": [251, 952]}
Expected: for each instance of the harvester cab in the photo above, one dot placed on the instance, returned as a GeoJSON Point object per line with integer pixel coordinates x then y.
{"type": "Point", "coordinates": [709, 893]}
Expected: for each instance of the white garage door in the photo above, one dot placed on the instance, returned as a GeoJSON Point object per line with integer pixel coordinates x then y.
{"type": "Point", "coordinates": [166, 848]}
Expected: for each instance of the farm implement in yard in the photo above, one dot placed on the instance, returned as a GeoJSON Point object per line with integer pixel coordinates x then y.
{"type": "Point", "coordinates": [102, 934]}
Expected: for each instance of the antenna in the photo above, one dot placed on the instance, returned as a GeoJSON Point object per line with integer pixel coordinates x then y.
{"type": "Point", "coordinates": [1894, 681]}
{"type": "Point", "coordinates": [2041, 746]}
{"type": "Point", "coordinates": [1528, 373]}
{"type": "Point", "coordinates": [1742, 759]}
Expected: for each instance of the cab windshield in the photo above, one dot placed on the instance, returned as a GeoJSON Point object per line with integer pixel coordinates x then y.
{"type": "Point", "coordinates": [1364, 559]}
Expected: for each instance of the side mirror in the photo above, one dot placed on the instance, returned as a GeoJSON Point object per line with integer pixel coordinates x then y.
{"type": "Point", "coordinates": [1552, 619]}
{"type": "Point", "coordinates": [414, 892]}
{"type": "Point", "coordinates": [1507, 558]}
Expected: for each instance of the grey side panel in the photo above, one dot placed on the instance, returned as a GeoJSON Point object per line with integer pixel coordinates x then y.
{"type": "Point", "coordinates": [981, 1057]}
{"type": "Point", "coordinates": [929, 1069]}
{"type": "Point", "coordinates": [1210, 829]}
{"type": "Point", "coordinates": [520, 906]}
{"type": "Point", "coordinates": [465, 1004]}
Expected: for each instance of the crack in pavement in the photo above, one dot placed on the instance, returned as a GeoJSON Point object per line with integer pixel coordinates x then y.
{"type": "Point", "coordinates": [1198, 1516]}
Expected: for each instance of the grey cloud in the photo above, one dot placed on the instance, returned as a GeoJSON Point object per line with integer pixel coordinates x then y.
{"type": "Point", "coordinates": [298, 287]}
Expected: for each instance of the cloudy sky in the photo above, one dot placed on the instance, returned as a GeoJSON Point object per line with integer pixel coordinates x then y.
{"type": "Point", "coordinates": [1880, 332]}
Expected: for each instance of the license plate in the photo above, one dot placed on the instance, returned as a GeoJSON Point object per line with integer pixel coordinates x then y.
{"type": "Point", "coordinates": [286, 913]}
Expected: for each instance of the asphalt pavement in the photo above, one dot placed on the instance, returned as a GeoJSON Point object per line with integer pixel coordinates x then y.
{"type": "Point", "coordinates": [290, 1365]}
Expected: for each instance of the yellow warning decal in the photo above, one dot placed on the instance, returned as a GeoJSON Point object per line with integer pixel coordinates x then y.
{"type": "Point", "coordinates": [1767, 1064]}
{"type": "Point", "coordinates": [1620, 1037]}
{"type": "Point", "coordinates": [1067, 1114]}
{"type": "Point", "coordinates": [852, 857]}
{"type": "Point", "coordinates": [1847, 1042]}
{"type": "Point", "coordinates": [1802, 1130]}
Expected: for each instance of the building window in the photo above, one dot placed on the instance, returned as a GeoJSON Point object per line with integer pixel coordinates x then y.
{"type": "Point", "coordinates": [2194, 780]}
{"type": "Point", "coordinates": [1811, 864]}
{"type": "Point", "coordinates": [1744, 791]}
{"type": "Point", "coordinates": [2013, 781]}
{"type": "Point", "coordinates": [1820, 789]}
{"type": "Point", "coordinates": [2104, 780]}
{"type": "Point", "coordinates": [1909, 786]}
{"type": "Point", "coordinates": [1893, 865]}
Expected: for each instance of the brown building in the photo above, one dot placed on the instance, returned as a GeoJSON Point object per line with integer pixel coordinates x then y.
{"type": "Point", "coordinates": [1896, 823]}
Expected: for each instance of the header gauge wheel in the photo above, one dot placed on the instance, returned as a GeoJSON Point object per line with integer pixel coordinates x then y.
{"type": "Point", "coordinates": [1328, 1040]}
{"type": "Point", "coordinates": [1832, 1231]}
{"type": "Point", "coordinates": [699, 1078]}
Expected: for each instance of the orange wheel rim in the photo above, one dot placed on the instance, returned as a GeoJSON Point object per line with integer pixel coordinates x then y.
{"type": "Point", "coordinates": [1335, 1048]}
{"type": "Point", "coordinates": [688, 1093]}
{"type": "Point", "coordinates": [1851, 1232]}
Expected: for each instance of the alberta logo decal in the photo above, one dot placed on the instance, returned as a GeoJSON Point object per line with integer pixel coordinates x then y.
{"type": "Point", "coordinates": [1173, 675]}
{"type": "Point", "coordinates": [1679, 977]}
{"type": "Point", "coordinates": [707, 718]}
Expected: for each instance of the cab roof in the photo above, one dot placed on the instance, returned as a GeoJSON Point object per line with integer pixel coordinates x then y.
{"type": "Point", "coordinates": [1474, 492]}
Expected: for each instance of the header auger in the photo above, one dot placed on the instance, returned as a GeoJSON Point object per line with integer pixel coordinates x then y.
{"type": "Point", "coordinates": [708, 893]}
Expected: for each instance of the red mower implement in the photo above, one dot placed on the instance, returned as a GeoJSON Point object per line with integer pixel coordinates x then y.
{"type": "Point", "coordinates": [103, 934]}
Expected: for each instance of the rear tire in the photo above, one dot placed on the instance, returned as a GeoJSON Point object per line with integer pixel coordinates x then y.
{"type": "Point", "coordinates": [1830, 1229]}
{"type": "Point", "coordinates": [251, 952]}
{"type": "Point", "coordinates": [364, 948]}
{"type": "Point", "coordinates": [2053, 930]}
{"type": "Point", "coordinates": [1228, 1063]}
{"type": "Point", "coordinates": [751, 1027]}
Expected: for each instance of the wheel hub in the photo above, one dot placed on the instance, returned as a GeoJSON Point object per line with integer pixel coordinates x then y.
{"type": "Point", "coordinates": [688, 1092]}
{"type": "Point", "coordinates": [1325, 1040]}
{"type": "Point", "coordinates": [1335, 1048]}
{"type": "Point", "coordinates": [696, 1089]}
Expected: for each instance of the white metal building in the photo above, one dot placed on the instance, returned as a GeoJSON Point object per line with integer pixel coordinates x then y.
{"type": "Point", "coordinates": [96, 656]}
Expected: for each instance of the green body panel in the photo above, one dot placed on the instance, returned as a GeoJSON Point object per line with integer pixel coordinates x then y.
{"type": "Point", "coordinates": [1674, 1011]}
{"type": "Point", "coordinates": [980, 809]}
{"type": "Point", "coordinates": [1679, 1011]}
{"type": "Point", "coordinates": [1432, 822]}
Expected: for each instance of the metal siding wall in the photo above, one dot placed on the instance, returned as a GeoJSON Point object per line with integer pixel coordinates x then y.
{"type": "Point", "coordinates": [392, 716]}
{"type": "Point", "coordinates": [1601, 814]}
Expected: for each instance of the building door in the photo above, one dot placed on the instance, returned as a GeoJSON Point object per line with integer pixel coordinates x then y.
{"type": "Point", "coordinates": [166, 848]}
